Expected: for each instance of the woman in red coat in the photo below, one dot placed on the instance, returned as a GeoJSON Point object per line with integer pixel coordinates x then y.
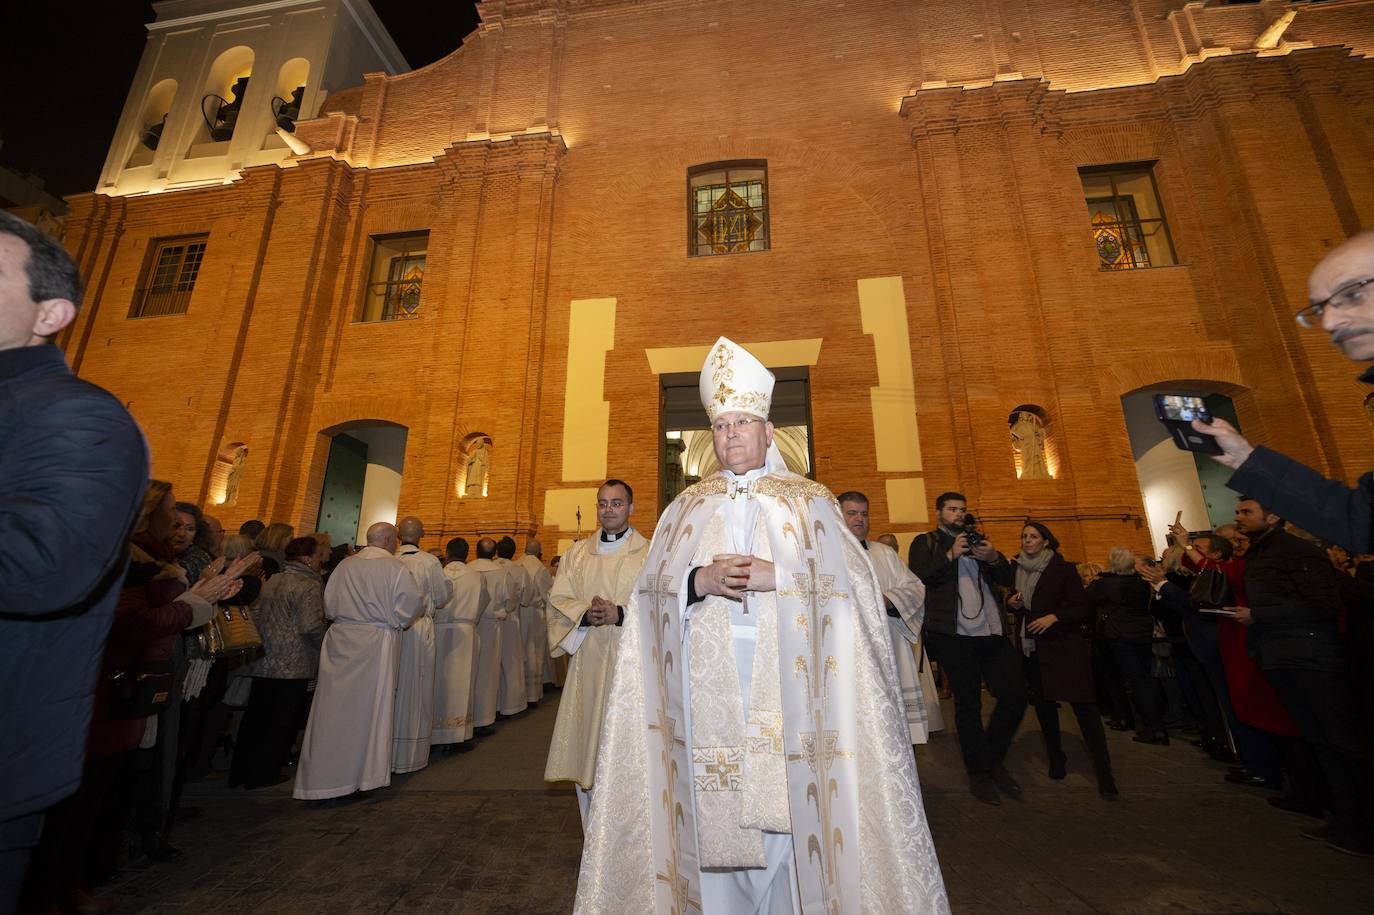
{"type": "Point", "coordinates": [1054, 616]}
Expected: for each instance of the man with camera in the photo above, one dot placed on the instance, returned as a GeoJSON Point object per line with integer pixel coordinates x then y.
{"type": "Point", "coordinates": [965, 633]}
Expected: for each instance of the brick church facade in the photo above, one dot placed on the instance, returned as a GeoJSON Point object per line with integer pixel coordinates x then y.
{"type": "Point", "coordinates": [938, 216]}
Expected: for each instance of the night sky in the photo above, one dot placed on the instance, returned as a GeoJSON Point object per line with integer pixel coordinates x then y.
{"type": "Point", "coordinates": [66, 79]}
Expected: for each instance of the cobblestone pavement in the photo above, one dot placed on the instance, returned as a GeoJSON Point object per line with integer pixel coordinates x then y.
{"type": "Point", "coordinates": [480, 832]}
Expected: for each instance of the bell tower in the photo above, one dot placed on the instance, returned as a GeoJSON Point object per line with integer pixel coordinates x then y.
{"type": "Point", "coordinates": [222, 83]}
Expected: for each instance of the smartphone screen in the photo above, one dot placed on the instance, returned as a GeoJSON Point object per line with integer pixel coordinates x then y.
{"type": "Point", "coordinates": [1182, 408]}
{"type": "Point", "coordinates": [1177, 412]}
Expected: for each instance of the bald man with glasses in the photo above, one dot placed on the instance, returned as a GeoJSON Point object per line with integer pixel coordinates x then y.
{"type": "Point", "coordinates": [1341, 293]}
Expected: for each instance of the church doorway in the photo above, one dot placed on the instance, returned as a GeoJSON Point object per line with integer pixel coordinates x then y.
{"type": "Point", "coordinates": [686, 454]}
{"type": "Point", "coordinates": [1172, 480]}
{"type": "Point", "coordinates": [362, 479]}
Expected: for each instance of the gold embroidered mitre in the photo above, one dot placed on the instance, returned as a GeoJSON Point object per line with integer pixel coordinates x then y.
{"type": "Point", "coordinates": [733, 381]}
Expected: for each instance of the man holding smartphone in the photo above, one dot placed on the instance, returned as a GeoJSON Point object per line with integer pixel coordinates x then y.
{"type": "Point", "coordinates": [1341, 293]}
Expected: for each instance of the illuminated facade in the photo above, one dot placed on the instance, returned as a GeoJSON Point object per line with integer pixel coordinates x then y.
{"type": "Point", "coordinates": [969, 237]}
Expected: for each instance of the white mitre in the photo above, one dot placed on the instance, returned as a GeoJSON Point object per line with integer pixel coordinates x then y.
{"type": "Point", "coordinates": [733, 381]}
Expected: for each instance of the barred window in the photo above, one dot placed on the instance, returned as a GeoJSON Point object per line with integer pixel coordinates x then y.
{"type": "Point", "coordinates": [397, 277]}
{"type": "Point", "coordinates": [727, 208]}
{"type": "Point", "coordinates": [1127, 222]}
{"type": "Point", "coordinates": [169, 277]}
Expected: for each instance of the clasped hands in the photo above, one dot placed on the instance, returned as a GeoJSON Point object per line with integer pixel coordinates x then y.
{"type": "Point", "coordinates": [602, 613]}
{"type": "Point", "coordinates": [730, 574]}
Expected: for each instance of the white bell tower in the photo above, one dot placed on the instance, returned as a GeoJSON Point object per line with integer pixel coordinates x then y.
{"type": "Point", "coordinates": [222, 82]}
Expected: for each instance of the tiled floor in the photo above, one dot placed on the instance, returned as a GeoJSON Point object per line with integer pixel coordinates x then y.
{"type": "Point", "coordinates": [480, 832]}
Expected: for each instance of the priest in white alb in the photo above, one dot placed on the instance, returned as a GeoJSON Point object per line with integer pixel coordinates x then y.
{"type": "Point", "coordinates": [754, 755]}
{"type": "Point", "coordinates": [370, 598]}
{"type": "Point", "coordinates": [904, 599]}
{"type": "Point", "coordinates": [511, 698]}
{"type": "Point", "coordinates": [455, 650]}
{"type": "Point", "coordinates": [496, 606]}
{"type": "Point", "coordinates": [533, 622]}
{"type": "Point", "coordinates": [586, 613]}
{"type": "Point", "coordinates": [415, 677]}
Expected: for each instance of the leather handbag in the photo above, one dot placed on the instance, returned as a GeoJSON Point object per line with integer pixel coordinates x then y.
{"type": "Point", "coordinates": [141, 690]}
{"type": "Point", "coordinates": [234, 631]}
{"type": "Point", "coordinates": [1210, 589]}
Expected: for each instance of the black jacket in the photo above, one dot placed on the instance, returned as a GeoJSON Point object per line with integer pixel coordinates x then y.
{"type": "Point", "coordinates": [1122, 603]}
{"type": "Point", "coordinates": [928, 560]}
{"type": "Point", "coordinates": [1295, 600]}
{"type": "Point", "coordinates": [1329, 509]}
{"type": "Point", "coordinates": [73, 467]}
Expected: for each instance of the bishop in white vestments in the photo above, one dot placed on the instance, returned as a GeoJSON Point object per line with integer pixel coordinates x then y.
{"type": "Point", "coordinates": [370, 598]}
{"type": "Point", "coordinates": [586, 612]}
{"type": "Point", "coordinates": [415, 678]}
{"type": "Point", "coordinates": [533, 617]}
{"type": "Point", "coordinates": [496, 606]}
{"type": "Point", "coordinates": [904, 599]}
{"type": "Point", "coordinates": [754, 755]}
{"type": "Point", "coordinates": [455, 649]}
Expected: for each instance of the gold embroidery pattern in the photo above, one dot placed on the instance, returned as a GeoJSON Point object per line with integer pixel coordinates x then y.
{"type": "Point", "coordinates": [660, 597]}
{"type": "Point", "coordinates": [457, 721]}
{"type": "Point", "coordinates": [765, 733]}
{"type": "Point", "coordinates": [718, 768]}
{"type": "Point", "coordinates": [726, 398]}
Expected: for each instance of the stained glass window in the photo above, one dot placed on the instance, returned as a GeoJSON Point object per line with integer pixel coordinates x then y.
{"type": "Point", "coordinates": [727, 206]}
{"type": "Point", "coordinates": [1127, 222]}
{"type": "Point", "coordinates": [169, 278]}
{"type": "Point", "coordinates": [397, 277]}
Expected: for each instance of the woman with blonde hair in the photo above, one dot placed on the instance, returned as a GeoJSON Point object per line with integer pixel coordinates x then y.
{"type": "Point", "coordinates": [271, 543]}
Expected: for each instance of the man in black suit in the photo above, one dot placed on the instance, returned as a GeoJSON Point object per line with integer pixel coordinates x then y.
{"type": "Point", "coordinates": [73, 467]}
{"type": "Point", "coordinates": [1294, 598]}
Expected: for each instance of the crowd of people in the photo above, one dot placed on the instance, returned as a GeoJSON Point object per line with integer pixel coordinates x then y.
{"type": "Point", "coordinates": [371, 654]}
{"type": "Point", "coordinates": [135, 628]}
{"type": "Point", "coordinates": [1252, 640]}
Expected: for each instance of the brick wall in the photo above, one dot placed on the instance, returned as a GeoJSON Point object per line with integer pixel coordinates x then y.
{"type": "Point", "coordinates": [968, 191]}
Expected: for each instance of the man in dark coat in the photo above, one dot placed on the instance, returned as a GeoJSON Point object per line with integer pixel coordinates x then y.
{"type": "Point", "coordinates": [965, 633]}
{"type": "Point", "coordinates": [1341, 292]}
{"type": "Point", "coordinates": [73, 467]}
{"type": "Point", "coordinates": [1294, 601]}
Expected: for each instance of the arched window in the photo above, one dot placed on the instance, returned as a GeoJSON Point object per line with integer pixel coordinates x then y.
{"type": "Point", "coordinates": [727, 208]}
{"type": "Point", "coordinates": [1033, 451]}
{"type": "Point", "coordinates": [152, 121]}
{"type": "Point", "coordinates": [225, 90]}
{"type": "Point", "coordinates": [289, 98]}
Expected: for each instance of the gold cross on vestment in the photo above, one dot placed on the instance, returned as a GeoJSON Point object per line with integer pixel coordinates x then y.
{"type": "Point", "coordinates": [810, 587]}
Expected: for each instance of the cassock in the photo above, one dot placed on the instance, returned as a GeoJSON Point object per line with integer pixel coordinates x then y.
{"type": "Point", "coordinates": [533, 624]}
{"type": "Point", "coordinates": [511, 698]}
{"type": "Point", "coordinates": [415, 678]}
{"type": "Point", "coordinates": [496, 604]}
{"type": "Point", "coordinates": [754, 756]}
{"type": "Point", "coordinates": [907, 594]}
{"type": "Point", "coordinates": [371, 597]}
{"type": "Point", "coordinates": [455, 655]}
{"type": "Point", "coordinates": [591, 568]}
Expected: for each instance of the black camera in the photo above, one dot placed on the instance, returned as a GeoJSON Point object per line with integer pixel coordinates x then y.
{"type": "Point", "coordinates": [971, 531]}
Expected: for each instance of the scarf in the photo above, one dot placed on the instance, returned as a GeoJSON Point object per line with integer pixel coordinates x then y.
{"type": "Point", "coordinates": [1028, 569]}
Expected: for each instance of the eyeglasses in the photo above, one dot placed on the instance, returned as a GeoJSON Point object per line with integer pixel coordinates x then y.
{"type": "Point", "coordinates": [724, 425]}
{"type": "Point", "coordinates": [1346, 297]}
{"type": "Point", "coordinates": [617, 504]}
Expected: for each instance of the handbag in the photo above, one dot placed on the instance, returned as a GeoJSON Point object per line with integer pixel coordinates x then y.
{"type": "Point", "coordinates": [231, 631]}
{"type": "Point", "coordinates": [1210, 589]}
{"type": "Point", "coordinates": [142, 690]}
